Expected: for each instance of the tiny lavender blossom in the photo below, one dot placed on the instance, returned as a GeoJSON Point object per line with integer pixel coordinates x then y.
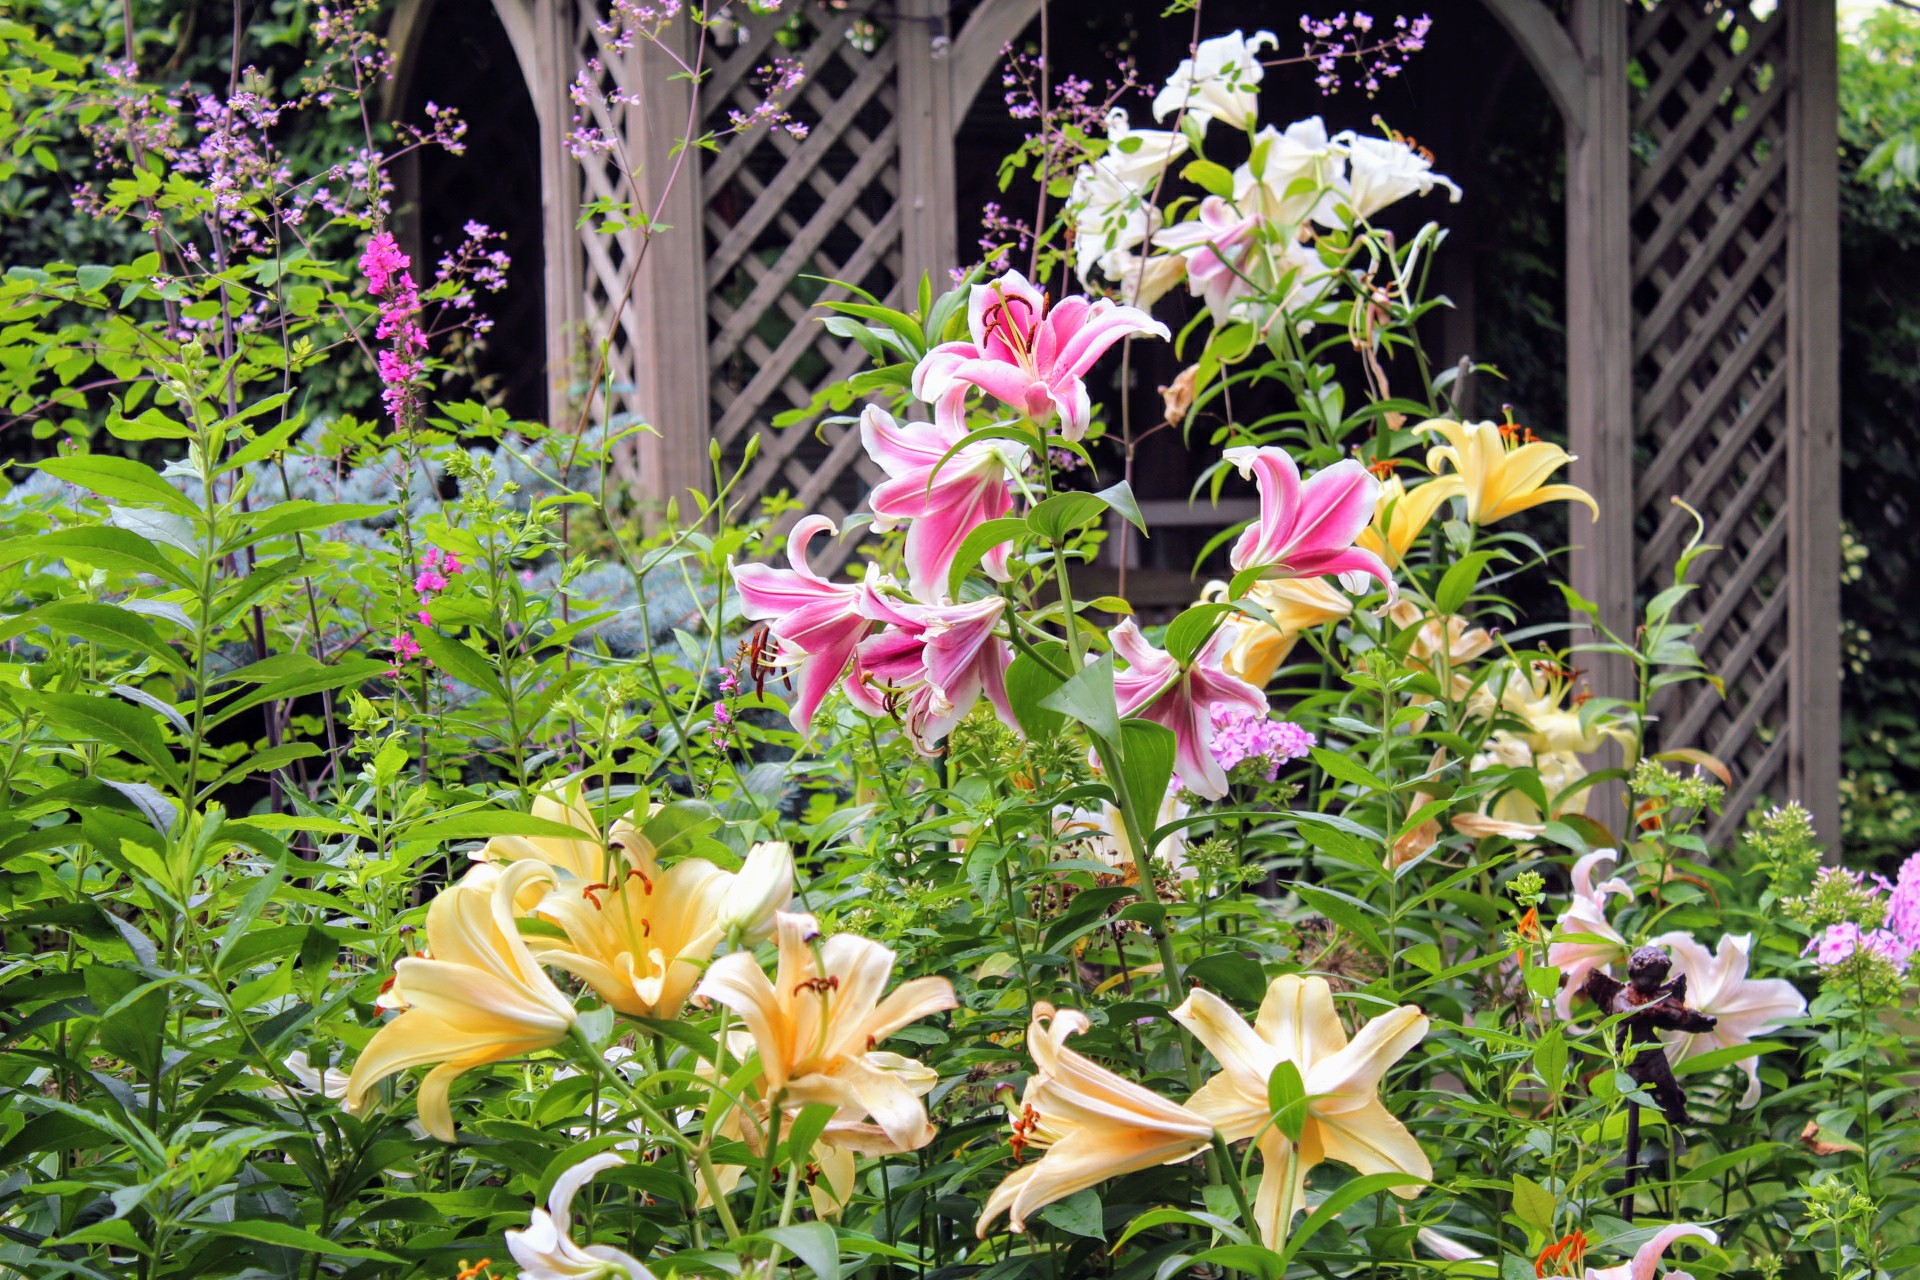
{"type": "Point", "coordinates": [1240, 735]}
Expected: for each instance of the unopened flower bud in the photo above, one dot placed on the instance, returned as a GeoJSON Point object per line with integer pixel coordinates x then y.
{"type": "Point", "coordinates": [760, 890]}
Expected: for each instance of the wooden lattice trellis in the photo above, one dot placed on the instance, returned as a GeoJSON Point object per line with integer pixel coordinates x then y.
{"type": "Point", "coordinates": [1713, 353]}
{"type": "Point", "coordinates": [1702, 296]}
{"type": "Point", "coordinates": [1702, 213]}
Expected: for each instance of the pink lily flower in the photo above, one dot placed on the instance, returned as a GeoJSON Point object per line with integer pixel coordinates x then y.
{"type": "Point", "coordinates": [1646, 1259]}
{"type": "Point", "coordinates": [1213, 243]}
{"type": "Point", "coordinates": [1308, 530]}
{"type": "Point", "coordinates": [1586, 913]}
{"type": "Point", "coordinates": [819, 623]}
{"type": "Point", "coordinates": [1028, 356]}
{"type": "Point", "coordinates": [1747, 1008]}
{"type": "Point", "coordinates": [942, 507]}
{"type": "Point", "coordinates": [1154, 687]}
{"type": "Point", "coordinates": [930, 663]}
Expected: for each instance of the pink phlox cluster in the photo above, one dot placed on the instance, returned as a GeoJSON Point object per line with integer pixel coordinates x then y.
{"type": "Point", "coordinates": [1897, 939]}
{"type": "Point", "coordinates": [1350, 38]}
{"type": "Point", "coordinates": [1240, 735]}
{"type": "Point", "coordinates": [1838, 943]}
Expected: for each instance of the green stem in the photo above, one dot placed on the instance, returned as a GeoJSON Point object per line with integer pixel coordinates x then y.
{"type": "Point", "coordinates": [1226, 1171]}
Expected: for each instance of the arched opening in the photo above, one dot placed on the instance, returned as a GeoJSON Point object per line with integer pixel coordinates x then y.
{"type": "Point", "coordinates": [459, 56]}
{"type": "Point", "coordinates": [1475, 101]}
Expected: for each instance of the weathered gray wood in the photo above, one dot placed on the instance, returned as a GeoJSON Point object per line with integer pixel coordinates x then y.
{"type": "Point", "coordinates": [928, 243]}
{"type": "Point", "coordinates": [1599, 337]}
{"type": "Point", "coordinates": [552, 24]}
{"type": "Point", "coordinates": [1551, 50]}
{"type": "Point", "coordinates": [669, 362]}
{"type": "Point", "coordinates": [993, 25]}
{"type": "Point", "coordinates": [1813, 414]}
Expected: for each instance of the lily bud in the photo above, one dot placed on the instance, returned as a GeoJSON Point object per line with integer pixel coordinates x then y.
{"type": "Point", "coordinates": [761, 889]}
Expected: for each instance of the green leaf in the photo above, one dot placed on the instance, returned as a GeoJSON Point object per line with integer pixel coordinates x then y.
{"type": "Point", "coordinates": [99, 545]}
{"type": "Point", "coordinates": [1064, 514]}
{"type": "Point", "coordinates": [484, 824]}
{"type": "Point", "coordinates": [804, 1131]}
{"type": "Point", "coordinates": [1088, 697]}
{"type": "Point", "coordinates": [120, 480]}
{"type": "Point", "coordinates": [288, 1236]}
{"type": "Point", "coordinates": [1287, 1099]}
{"type": "Point", "coordinates": [1231, 974]}
{"type": "Point", "coordinates": [1346, 770]}
{"type": "Point", "coordinates": [1460, 580]}
{"type": "Point", "coordinates": [813, 1243]}
{"type": "Point", "coordinates": [1029, 685]}
{"type": "Point", "coordinates": [1146, 767]}
{"type": "Point", "coordinates": [111, 723]}
{"type": "Point", "coordinates": [1345, 1195]}
{"type": "Point", "coordinates": [1550, 1058]}
{"type": "Point", "coordinates": [1079, 1214]}
{"type": "Point", "coordinates": [298, 684]}
{"type": "Point", "coordinates": [299, 516]}
{"type": "Point", "coordinates": [1119, 497]}
{"type": "Point", "coordinates": [1214, 179]}
{"type": "Point", "coordinates": [101, 624]}
{"type": "Point", "coordinates": [974, 547]}
{"type": "Point", "coordinates": [1344, 911]}
{"type": "Point", "coordinates": [1187, 633]}
{"type": "Point", "coordinates": [1533, 1204]}
{"type": "Point", "coordinates": [463, 662]}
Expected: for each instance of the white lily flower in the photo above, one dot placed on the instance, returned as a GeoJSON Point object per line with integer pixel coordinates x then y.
{"type": "Point", "coordinates": [1220, 82]}
{"type": "Point", "coordinates": [1382, 171]}
{"type": "Point", "coordinates": [1266, 184]}
{"type": "Point", "coordinates": [760, 890]}
{"type": "Point", "coordinates": [1717, 985]}
{"type": "Point", "coordinates": [546, 1251]}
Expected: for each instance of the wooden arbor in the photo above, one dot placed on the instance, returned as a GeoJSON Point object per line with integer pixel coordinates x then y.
{"type": "Point", "coordinates": [1702, 301]}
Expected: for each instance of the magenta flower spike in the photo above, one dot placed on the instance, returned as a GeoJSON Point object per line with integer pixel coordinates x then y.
{"type": "Point", "coordinates": [1155, 687]}
{"type": "Point", "coordinates": [1307, 529]}
{"type": "Point", "coordinates": [1028, 355]}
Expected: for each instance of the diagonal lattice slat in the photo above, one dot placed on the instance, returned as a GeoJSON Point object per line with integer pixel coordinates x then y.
{"type": "Point", "coordinates": [1710, 349]}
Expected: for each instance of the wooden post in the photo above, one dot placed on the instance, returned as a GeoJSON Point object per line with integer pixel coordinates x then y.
{"type": "Point", "coordinates": [1813, 415]}
{"type": "Point", "coordinates": [551, 27]}
{"type": "Point", "coordinates": [927, 193]}
{"type": "Point", "coordinates": [669, 299]}
{"type": "Point", "coordinates": [1600, 344]}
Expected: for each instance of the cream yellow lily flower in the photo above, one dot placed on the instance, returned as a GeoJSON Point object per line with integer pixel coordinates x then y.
{"type": "Point", "coordinates": [1401, 515]}
{"type": "Point", "coordinates": [819, 1022]}
{"type": "Point", "coordinates": [1296, 605]}
{"type": "Point", "coordinates": [1448, 634]}
{"type": "Point", "coordinates": [1345, 1120]}
{"type": "Point", "coordinates": [1536, 696]}
{"type": "Point", "coordinates": [639, 937]}
{"type": "Point", "coordinates": [1504, 470]}
{"type": "Point", "coordinates": [1093, 1124]}
{"type": "Point", "coordinates": [478, 997]}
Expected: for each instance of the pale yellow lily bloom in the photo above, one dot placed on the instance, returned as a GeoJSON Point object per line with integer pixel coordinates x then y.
{"type": "Point", "coordinates": [819, 1022]}
{"type": "Point", "coordinates": [1296, 605]}
{"type": "Point", "coordinates": [1537, 697]}
{"type": "Point", "coordinates": [1504, 471]}
{"type": "Point", "coordinates": [638, 939]}
{"type": "Point", "coordinates": [1093, 1124]}
{"type": "Point", "coordinates": [1344, 1121]}
{"type": "Point", "coordinates": [1448, 634]}
{"type": "Point", "coordinates": [1401, 515]}
{"type": "Point", "coordinates": [477, 997]}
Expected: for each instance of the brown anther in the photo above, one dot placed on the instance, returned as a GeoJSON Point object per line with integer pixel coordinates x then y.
{"type": "Point", "coordinates": [470, 1270]}
{"type": "Point", "coordinates": [818, 985]}
{"type": "Point", "coordinates": [1383, 467]}
{"type": "Point", "coordinates": [646, 885]}
{"type": "Point", "coordinates": [1563, 1257]}
{"type": "Point", "coordinates": [592, 889]}
{"type": "Point", "coordinates": [1023, 1127]}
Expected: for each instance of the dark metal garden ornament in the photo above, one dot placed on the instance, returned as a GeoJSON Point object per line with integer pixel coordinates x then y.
{"type": "Point", "coordinates": [1651, 1004]}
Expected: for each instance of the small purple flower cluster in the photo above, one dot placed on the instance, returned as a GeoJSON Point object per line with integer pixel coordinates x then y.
{"type": "Point", "coordinates": [473, 265]}
{"type": "Point", "coordinates": [999, 235]}
{"type": "Point", "coordinates": [1352, 37]}
{"type": "Point", "coordinates": [722, 726]}
{"type": "Point", "coordinates": [1240, 735]}
{"type": "Point", "coordinates": [401, 362]}
{"type": "Point", "coordinates": [777, 79]}
{"type": "Point", "coordinates": [1896, 939]}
